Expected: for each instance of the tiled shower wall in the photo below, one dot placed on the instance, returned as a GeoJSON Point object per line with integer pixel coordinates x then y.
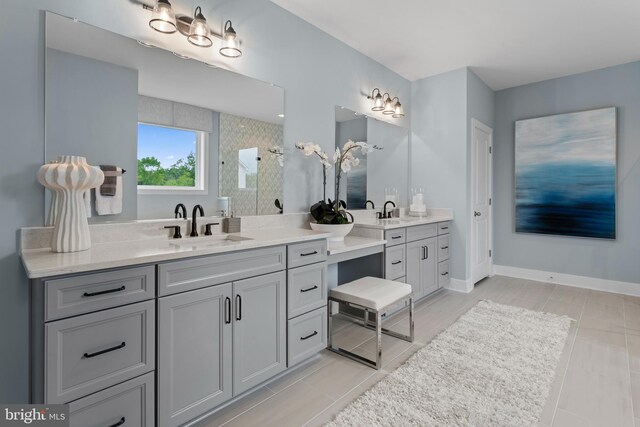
{"type": "Point", "coordinates": [237, 133]}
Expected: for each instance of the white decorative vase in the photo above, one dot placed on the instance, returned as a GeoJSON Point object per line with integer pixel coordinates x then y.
{"type": "Point", "coordinates": [338, 231]}
{"type": "Point", "coordinates": [68, 179]}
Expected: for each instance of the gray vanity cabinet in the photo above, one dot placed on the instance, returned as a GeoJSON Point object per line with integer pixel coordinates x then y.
{"type": "Point", "coordinates": [194, 353]}
{"type": "Point", "coordinates": [218, 342]}
{"type": "Point", "coordinates": [259, 330]}
{"type": "Point", "coordinates": [422, 267]}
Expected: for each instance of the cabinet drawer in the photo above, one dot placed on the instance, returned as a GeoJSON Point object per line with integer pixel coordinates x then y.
{"type": "Point", "coordinates": [307, 335]}
{"type": "Point", "coordinates": [306, 253]}
{"type": "Point", "coordinates": [129, 403]}
{"type": "Point", "coordinates": [419, 232]}
{"type": "Point", "coordinates": [394, 262]}
{"type": "Point", "coordinates": [307, 289]}
{"type": "Point", "coordinates": [443, 247]}
{"type": "Point", "coordinates": [92, 292]}
{"type": "Point", "coordinates": [180, 276]}
{"type": "Point", "coordinates": [395, 237]}
{"type": "Point", "coordinates": [443, 227]}
{"type": "Point", "coordinates": [88, 353]}
{"type": "Point", "coordinates": [443, 273]}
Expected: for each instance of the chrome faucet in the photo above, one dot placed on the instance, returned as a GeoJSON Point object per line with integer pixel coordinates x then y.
{"type": "Point", "coordinates": [373, 206]}
{"type": "Point", "coordinates": [180, 211]}
{"type": "Point", "coordinates": [384, 213]}
{"type": "Point", "coordinates": [194, 224]}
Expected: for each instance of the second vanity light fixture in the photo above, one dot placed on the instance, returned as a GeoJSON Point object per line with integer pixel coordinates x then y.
{"type": "Point", "coordinates": [195, 29]}
{"type": "Point", "coordinates": [383, 102]}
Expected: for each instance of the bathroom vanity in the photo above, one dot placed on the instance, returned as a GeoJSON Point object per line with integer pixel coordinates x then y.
{"type": "Point", "coordinates": [173, 330]}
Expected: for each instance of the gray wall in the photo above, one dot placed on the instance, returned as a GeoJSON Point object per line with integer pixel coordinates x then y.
{"type": "Point", "coordinates": [278, 47]}
{"type": "Point", "coordinates": [438, 143]}
{"type": "Point", "coordinates": [615, 260]}
{"type": "Point", "coordinates": [91, 111]}
{"type": "Point", "coordinates": [442, 109]}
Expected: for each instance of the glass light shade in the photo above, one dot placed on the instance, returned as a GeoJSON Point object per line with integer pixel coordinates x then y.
{"type": "Point", "coordinates": [398, 111]}
{"type": "Point", "coordinates": [230, 43]}
{"type": "Point", "coordinates": [163, 19]}
{"type": "Point", "coordinates": [199, 34]}
{"type": "Point", "coordinates": [378, 103]}
{"type": "Point", "coordinates": [389, 108]}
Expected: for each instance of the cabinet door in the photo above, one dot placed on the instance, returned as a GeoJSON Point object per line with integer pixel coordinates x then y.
{"type": "Point", "coordinates": [259, 330]}
{"type": "Point", "coordinates": [194, 353]}
{"type": "Point", "coordinates": [429, 266]}
{"type": "Point", "coordinates": [414, 264]}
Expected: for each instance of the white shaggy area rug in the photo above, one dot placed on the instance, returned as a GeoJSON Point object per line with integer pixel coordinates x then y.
{"type": "Point", "coordinates": [493, 367]}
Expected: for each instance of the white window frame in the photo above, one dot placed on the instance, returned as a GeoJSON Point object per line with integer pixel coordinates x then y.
{"type": "Point", "coordinates": [202, 168]}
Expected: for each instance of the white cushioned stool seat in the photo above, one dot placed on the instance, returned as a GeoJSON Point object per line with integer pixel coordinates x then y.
{"type": "Point", "coordinates": [371, 292]}
{"type": "Point", "coordinates": [374, 295]}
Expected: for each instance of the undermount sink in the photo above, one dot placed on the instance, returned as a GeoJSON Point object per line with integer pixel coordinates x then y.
{"type": "Point", "coordinates": [219, 240]}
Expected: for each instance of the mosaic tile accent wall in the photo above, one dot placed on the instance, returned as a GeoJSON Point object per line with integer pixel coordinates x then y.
{"type": "Point", "coordinates": [238, 133]}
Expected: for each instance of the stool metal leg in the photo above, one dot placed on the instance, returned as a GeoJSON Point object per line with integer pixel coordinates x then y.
{"type": "Point", "coordinates": [329, 323]}
{"type": "Point", "coordinates": [379, 340]}
{"type": "Point", "coordinates": [411, 334]}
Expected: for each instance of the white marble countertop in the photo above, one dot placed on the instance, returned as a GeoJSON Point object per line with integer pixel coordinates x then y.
{"type": "Point", "coordinates": [406, 221]}
{"type": "Point", "coordinates": [353, 243]}
{"type": "Point", "coordinates": [40, 263]}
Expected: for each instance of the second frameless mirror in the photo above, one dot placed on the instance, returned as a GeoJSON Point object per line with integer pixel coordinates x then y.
{"type": "Point", "coordinates": [380, 175]}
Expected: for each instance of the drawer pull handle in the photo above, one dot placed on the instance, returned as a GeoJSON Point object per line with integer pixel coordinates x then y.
{"type": "Point", "coordinates": [310, 253]}
{"type": "Point", "coordinates": [396, 237]}
{"type": "Point", "coordinates": [227, 310]}
{"type": "Point", "coordinates": [106, 350]}
{"type": "Point", "coordinates": [396, 262]}
{"type": "Point", "coordinates": [119, 423]}
{"type": "Point", "coordinates": [309, 336]}
{"type": "Point", "coordinates": [108, 291]}
{"type": "Point", "coordinates": [309, 289]}
{"type": "Point", "coordinates": [444, 274]}
{"type": "Point", "coordinates": [238, 307]}
{"type": "Point", "coordinates": [444, 228]}
{"type": "Point", "coordinates": [445, 247]}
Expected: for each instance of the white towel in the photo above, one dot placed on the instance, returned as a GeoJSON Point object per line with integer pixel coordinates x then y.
{"type": "Point", "coordinates": [87, 202]}
{"type": "Point", "coordinates": [110, 205]}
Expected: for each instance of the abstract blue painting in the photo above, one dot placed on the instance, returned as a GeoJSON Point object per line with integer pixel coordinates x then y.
{"type": "Point", "coordinates": [565, 174]}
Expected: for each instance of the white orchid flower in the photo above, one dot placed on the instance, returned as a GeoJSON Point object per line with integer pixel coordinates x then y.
{"type": "Point", "coordinates": [336, 155]}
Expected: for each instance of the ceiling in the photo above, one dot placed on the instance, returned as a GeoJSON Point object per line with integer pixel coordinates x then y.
{"type": "Point", "coordinates": [506, 42]}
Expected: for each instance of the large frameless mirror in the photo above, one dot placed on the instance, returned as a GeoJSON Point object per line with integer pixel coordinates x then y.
{"type": "Point", "coordinates": [182, 131]}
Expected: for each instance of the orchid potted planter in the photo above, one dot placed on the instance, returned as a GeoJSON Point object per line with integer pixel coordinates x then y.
{"type": "Point", "coordinates": [331, 216]}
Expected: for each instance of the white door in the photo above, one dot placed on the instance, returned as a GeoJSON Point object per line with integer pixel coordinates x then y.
{"type": "Point", "coordinates": [481, 165]}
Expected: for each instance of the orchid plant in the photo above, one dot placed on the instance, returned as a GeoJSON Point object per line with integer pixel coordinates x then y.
{"type": "Point", "coordinates": [278, 153]}
{"type": "Point", "coordinates": [327, 211]}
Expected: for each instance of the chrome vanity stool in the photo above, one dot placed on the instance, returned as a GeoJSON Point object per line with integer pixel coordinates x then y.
{"type": "Point", "coordinates": [377, 296]}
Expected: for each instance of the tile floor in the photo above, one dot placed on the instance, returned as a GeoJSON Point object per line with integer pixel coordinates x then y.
{"type": "Point", "coordinates": [597, 380]}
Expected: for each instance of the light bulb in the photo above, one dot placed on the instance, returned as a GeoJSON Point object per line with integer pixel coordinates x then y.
{"type": "Point", "coordinates": [163, 19]}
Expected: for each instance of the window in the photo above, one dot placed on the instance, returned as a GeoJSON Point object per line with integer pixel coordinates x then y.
{"type": "Point", "coordinates": [171, 160]}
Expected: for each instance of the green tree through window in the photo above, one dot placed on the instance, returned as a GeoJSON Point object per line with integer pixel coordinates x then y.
{"type": "Point", "coordinates": [181, 174]}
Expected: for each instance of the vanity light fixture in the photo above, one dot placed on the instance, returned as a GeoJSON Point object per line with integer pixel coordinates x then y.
{"type": "Point", "coordinates": [195, 29]}
{"type": "Point", "coordinates": [387, 105]}
{"type": "Point", "coordinates": [230, 44]}
{"type": "Point", "coordinates": [163, 19]}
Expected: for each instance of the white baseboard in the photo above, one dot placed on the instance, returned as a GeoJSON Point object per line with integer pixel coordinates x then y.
{"type": "Point", "coordinates": [626, 288]}
{"type": "Point", "coordinates": [460, 285]}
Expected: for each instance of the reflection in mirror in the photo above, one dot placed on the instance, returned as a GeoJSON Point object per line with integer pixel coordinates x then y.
{"type": "Point", "coordinates": [184, 132]}
{"type": "Point", "coordinates": [380, 174]}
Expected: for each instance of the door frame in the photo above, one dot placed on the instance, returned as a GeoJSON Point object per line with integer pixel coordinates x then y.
{"type": "Point", "coordinates": [477, 124]}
